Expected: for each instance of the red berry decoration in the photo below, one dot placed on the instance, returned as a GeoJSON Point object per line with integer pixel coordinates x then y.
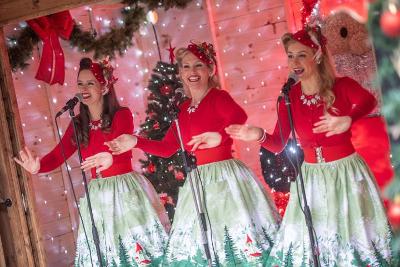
{"type": "Point", "coordinates": [394, 215]}
{"type": "Point", "coordinates": [390, 23]}
{"type": "Point", "coordinates": [151, 168]}
{"type": "Point", "coordinates": [165, 90]}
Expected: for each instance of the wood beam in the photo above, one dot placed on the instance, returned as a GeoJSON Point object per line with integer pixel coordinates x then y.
{"type": "Point", "coordinates": [21, 10]}
{"type": "Point", "coordinates": [18, 228]}
{"type": "Point", "coordinates": [2, 260]}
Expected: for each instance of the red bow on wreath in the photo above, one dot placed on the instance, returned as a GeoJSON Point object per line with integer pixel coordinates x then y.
{"type": "Point", "coordinates": [49, 29]}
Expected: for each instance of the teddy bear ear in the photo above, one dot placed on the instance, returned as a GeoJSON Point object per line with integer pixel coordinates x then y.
{"type": "Point", "coordinates": [346, 35]}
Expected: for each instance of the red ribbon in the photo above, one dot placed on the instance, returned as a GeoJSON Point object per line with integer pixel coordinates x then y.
{"type": "Point", "coordinates": [49, 29]}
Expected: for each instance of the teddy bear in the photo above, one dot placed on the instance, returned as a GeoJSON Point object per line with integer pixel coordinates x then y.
{"type": "Point", "coordinates": [353, 55]}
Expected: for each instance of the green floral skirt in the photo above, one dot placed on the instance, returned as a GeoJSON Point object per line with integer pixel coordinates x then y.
{"type": "Point", "coordinates": [242, 220]}
{"type": "Point", "coordinates": [130, 220]}
{"type": "Point", "coordinates": [348, 216]}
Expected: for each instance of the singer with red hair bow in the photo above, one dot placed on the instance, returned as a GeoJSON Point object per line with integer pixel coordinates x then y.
{"type": "Point", "coordinates": [349, 219]}
{"type": "Point", "coordinates": [125, 205]}
{"type": "Point", "coordinates": [236, 205]}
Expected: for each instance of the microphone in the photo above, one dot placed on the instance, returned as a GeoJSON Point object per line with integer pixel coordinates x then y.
{"type": "Point", "coordinates": [292, 79]}
{"type": "Point", "coordinates": [70, 104]}
{"type": "Point", "coordinates": [178, 96]}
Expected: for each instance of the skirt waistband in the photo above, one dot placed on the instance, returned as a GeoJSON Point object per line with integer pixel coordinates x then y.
{"type": "Point", "coordinates": [215, 154]}
{"type": "Point", "coordinates": [327, 153]}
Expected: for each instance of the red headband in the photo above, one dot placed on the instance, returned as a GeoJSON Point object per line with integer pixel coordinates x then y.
{"type": "Point", "coordinates": [306, 39]}
{"type": "Point", "coordinates": [103, 72]}
{"type": "Point", "coordinates": [205, 52]}
{"type": "Point", "coordinates": [97, 71]}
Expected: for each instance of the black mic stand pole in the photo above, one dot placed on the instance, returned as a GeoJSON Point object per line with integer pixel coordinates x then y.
{"type": "Point", "coordinates": [307, 213]}
{"type": "Point", "coordinates": [94, 229]}
{"type": "Point", "coordinates": [189, 163]}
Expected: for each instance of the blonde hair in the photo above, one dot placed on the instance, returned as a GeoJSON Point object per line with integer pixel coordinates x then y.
{"type": "Point", "coordinates": [213, 81]}
{"type": "Point", "coordinates": [326, 71]}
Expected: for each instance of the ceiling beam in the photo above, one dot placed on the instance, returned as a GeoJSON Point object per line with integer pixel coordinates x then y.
{"type": "Point", "coordinates": [21, 10]}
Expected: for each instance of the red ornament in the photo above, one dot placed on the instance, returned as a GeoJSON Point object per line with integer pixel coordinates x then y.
{"type": "Point", "coordinates": [165, 199]}
{"type": "Point", "coordinates": [179, 175]}
{"type": "Point", "coordinates": [394, 215]}
{"type": "Point", "coordinates": [151, 168]}
{"type": "Point", "coordinates": [156, 126]}
{"type": "Point", "coordinates": [281, 200]}
{"type": "Point", "coordinates": [390, 23]}
{"type": "Point", "coordinates": [165, 90]}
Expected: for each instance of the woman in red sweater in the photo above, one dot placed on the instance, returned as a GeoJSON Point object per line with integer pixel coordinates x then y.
{"type": "Point", "coordinates": [348, 216]}
{"type": "Point", "coordinates": [126, 208]}
{"type": "Point", "coordinates": [241, 220]}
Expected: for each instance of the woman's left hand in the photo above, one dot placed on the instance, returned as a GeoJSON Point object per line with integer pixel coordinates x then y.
{"type": "Point", "coordinates": [332, 125]}
{"type": "Point", "coordinates": [205, 140]}
{"type": "Point", "coordinates": [101, 161]}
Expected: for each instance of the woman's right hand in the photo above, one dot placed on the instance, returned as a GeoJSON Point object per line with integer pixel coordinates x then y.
{"type": "Point", "coordinates": [244, 132]}
{"type": "Point", "coordinates": [27, 161]}
{"type": "Point", "coordinates": [122, 143]}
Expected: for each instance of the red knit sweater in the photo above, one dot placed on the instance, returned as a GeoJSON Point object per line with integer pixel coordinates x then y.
{"type": "Point", "coordinates": [215, 112]}
{"type": "Point", "coordinates": [122, 123]}
{"type": "Point", "coordinates": [350, 100]}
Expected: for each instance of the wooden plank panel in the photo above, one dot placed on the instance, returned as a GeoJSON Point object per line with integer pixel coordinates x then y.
{"type": "Point", "coordinates": [54, 211]}
{"type": "Point", "coordinates": [17, 10]}
{"type": "Point", "coordinates": [249, 21]}
{"type": "Point", "coordinates": [226, 9]}
{"type": "Point", "coordinates": [56, 228]}
{"type": "Point", "coordinates": [61, 250]}
{"type": "Point", "coordinates": [254, 80]}
{"type": "Point", "coordinates": [244, 64]}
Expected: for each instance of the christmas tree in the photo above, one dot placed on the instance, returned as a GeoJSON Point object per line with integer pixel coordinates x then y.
{"type": "Point", "coordinates": [387, 50]}
{"type": "Point", "coordinates": [231, 256]}
{"type": "Point", "coordinates": [166, 174]}
{"type": "Point", "coordinates": [123, 255]}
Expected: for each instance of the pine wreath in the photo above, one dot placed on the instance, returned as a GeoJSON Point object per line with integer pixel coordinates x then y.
{"type": "Point", "coordinates": [117, 40]}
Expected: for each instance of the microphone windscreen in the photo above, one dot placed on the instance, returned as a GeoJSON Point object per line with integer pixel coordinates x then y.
{"type": "Point", "coordinates": [79, 96]}
{"type": "Point", "coordinates": [294, 77]}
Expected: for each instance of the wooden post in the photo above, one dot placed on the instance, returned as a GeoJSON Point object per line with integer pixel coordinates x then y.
{"type": "Point", "coordinates": [18, 227]}
{"type": "Point", "coordinates": [2, 260]}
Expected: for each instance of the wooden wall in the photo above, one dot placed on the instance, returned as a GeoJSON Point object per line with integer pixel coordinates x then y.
{"type": "Point", "coordinates": [246, 34]}
{"type": "Point", "coordinates": [38, 103]}
{"type": "Point", "coordinates": [253, 61]}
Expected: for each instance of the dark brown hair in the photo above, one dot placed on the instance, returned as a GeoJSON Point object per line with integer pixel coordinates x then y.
{"type": "Point", "coordinates": [110, 106]}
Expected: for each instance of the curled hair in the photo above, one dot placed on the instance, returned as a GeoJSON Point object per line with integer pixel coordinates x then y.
{"type": "Point", "coordinates": [110, 106]}
{"type": "Point", "coordinates": [213, 81]}
{"type": "Point", "coordinates": [326, 71]}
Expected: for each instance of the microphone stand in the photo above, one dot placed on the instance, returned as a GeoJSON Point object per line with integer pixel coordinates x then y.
{"type": "Point", "coordinates": [189, 163]}
{"type": "Point", "coordinates": [94, 229]}
{"type": "Point", "coordinates": [307, 213]}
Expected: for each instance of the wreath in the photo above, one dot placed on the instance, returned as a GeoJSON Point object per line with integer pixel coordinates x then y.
{"type": "Point", "coordinates": [117, 40]}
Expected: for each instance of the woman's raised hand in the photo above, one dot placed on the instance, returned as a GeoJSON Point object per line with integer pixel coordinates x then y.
{"type": "Point", "coordinates": [332, 125]}
{"type": "Point", "coordinates": [122, 143]}
{"type": "Point", "coordinates": [244, 132]}
{"type": "Point", "coordinates": [101, 161]}
{"type": "Point", "coordinates": [28, 161]}
{"type": "Point", "coordinates": [205, 140]}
